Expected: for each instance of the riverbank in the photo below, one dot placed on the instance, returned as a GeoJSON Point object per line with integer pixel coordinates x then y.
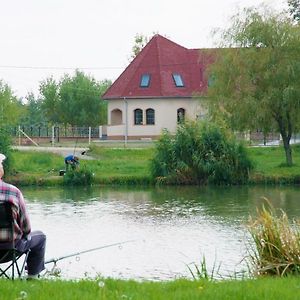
{"type": "Point", "coordinates": [131, 166]}
{"type": "Point", "coordinates": [113, 289]}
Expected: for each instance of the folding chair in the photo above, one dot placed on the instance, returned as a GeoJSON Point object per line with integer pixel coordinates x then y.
{"type": "Point", "coordinates": [10, 256]}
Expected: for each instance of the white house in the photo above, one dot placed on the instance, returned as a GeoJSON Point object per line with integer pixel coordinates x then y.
{"type": "Point", "coordinates": [161, 86]}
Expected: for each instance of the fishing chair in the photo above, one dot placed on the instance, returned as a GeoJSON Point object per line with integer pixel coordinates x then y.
{"type": "Point", "coordinates": [10, 257]}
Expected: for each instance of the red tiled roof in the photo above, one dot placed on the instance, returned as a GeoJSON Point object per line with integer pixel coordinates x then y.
{"type": "Point", "coordinates": [161, 58]}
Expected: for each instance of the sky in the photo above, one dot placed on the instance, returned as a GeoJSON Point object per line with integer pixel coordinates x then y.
{"type": "Point", "coordinates": [43, 38]}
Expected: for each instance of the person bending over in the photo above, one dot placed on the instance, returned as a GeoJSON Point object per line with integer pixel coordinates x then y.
{"type": "Point", "coordinates": [71, 160]}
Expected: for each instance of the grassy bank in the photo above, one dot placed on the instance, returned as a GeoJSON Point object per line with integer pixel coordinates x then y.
{"type": "Point", "coordinates": [131, 166]}
{"type": "Point", "coordinates": [260, 289]}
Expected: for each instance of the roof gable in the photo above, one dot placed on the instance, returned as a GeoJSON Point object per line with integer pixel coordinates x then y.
{"type": "Point", "coordinates": [161, 58]}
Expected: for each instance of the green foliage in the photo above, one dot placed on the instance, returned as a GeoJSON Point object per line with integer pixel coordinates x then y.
{"type": "Point", "coordinates": [277, 244]}
{"type": "Point", "coordinates": [49, 92]}
{"type": "Point", "coordinates": [200, 153]}
{"type": "Point", "coordinates": [75, 100]}
{"type": "Point", "coordinates": [261, 88]}
{"type": "Point", "coordinates": [140, 41]}
{"type": "Point", "coordinates": [10, 107]}
{"type": "Point", "coordinates": [201, 272]}
{"type": "Point", "coordinates": [33, 112]}
{"type": "Point", "coordinates": [79, 176]}
{"type": "Point", "coordinates": [5, 148]}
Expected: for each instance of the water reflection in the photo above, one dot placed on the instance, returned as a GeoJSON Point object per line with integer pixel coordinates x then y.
{"type": "Point", "coordinates": [173, 226]}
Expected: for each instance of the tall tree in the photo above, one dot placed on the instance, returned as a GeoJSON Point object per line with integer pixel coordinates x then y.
{"type": "Point", "coordinates": [256, 78]}
{"type": "Point", "coordinates": [33, 114]}
{"type": "Point", "coordinates": [80, 100]}
{"type": "Point", "coordinates": [294, 9]}
{"type": "Point", "coordinates": [75, 100]}
{"type": "Point", "coordinates": [49, 94]}
{"type": "Point", "coordinates": [10, 107]}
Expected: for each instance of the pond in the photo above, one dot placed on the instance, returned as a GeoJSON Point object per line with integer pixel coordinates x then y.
{"type": "Point", "coordinates": [171, 228]}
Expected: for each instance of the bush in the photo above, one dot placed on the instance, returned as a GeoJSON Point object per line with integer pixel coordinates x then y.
{"type": "Point", "coordinates": [200, 153]}
{"type": "Point", "coordinates": [276, 248]}
{"type": "Point", "coordinates": [79, 176]}
{"type": "Point", "coordinates": [5, 148]}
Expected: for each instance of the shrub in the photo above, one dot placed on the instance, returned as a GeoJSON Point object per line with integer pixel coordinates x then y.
{"type": "Point", "coordinates": [79, 176]}
{"type": "Point", "coordinates": [200, 153]}
{"type": "Point", "coordinates": [276, 248]}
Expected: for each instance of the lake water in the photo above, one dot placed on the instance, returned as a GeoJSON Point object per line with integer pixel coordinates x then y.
{"type": "Point", "coordinates": [172, 227]}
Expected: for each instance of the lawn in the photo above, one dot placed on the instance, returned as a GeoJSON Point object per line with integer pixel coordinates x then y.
{"type": "Point", "coordinates": [110, 289]}
{"type": "Point", "coordinates": [132, 166]}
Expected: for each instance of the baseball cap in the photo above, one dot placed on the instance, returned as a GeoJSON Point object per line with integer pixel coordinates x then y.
{"type": "Point", "coordinates": [2, 158]}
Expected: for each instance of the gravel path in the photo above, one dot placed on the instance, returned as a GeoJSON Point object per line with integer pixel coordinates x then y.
{"type": "Point", "coordinates": [63, 151]}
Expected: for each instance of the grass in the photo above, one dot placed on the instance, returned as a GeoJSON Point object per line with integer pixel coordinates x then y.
{"type": "Point", "coordinates": [270, 165]}
{"type": "Point", "coordinates": [262, 289]}
{"type": "Point", "coordinates": [276, 244]}
{"type": "Point", "coordinates": [131, 166]}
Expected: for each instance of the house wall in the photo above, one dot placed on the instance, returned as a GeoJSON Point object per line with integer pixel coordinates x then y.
{"type": "Point", "coordinates": [165, 116]}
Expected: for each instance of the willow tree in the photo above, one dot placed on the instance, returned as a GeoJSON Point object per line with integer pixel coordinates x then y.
{"type": "Point", "coordinates": [256, 76]}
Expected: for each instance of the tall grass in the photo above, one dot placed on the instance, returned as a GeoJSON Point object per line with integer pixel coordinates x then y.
{"type": "Point", "coordinates": [276, 244]}
{"type": "Point", "coordinates": [200, 153]}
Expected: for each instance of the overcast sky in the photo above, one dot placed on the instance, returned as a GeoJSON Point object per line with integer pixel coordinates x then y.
{"type": "Point", "coordinates": [43, 38]}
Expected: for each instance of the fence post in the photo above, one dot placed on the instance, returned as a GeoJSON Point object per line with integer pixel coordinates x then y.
{"type": "Point", "coordinates": [53, 133]}
{"type": "Point", "coordinates": [90, 133]}
{"type": "Point", "coordinates": [100, 132]}
{"type": "Point", "coordinates": [19, 130]}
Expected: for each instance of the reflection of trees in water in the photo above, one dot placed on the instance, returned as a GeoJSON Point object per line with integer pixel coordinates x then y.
{"type": "Point", "coordinates": [224, 202]}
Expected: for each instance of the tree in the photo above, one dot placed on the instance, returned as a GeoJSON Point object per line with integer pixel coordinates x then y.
{"type": "Point", "coordinates": [75, 100]}
{"type": "Point", "coordinates": [261, 88]}
{"type": "Point", "coordinates": [49, 94]}
{"type": "Point", "coordinates": [33, 114]}
{"type": "Point", "coordinates": [80, 100]}
{"type": "Point", "coordinates": [140, 41]}
{"type": "Point", "coordinates": [294, 9]}
{"type": "Point", "coordinates": [10, 107]}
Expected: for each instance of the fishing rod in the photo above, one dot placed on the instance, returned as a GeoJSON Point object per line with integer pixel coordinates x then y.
{"type": "Point", "coordinates": [55, 260]}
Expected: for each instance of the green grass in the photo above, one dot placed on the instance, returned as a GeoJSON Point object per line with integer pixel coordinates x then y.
{"type": "Point", "coordinates": [131, 166]}
{"type": "Point", "coordinates": [261, 289]}
{"type": "Point", "coordinates": [270, 165]}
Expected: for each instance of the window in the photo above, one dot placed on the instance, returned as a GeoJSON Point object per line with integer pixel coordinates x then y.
{"type": "Point", "coordinates": [150, 116]}
{"type": "Point", "coordinates": [180, 115]}
{"type": "Point", "coordinates": [145, 80]}
{"type": "Point", "coordinates": [178, 80]}
{"type": "Point", "coordinates": [138, 117]}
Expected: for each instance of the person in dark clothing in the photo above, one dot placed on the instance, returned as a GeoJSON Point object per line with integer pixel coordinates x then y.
{"type": "Point", "coordinates": [23, 236]}
{"type": "Point", "coordinates": [71, 160]}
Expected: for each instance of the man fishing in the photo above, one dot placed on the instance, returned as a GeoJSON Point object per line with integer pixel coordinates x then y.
{"type": "Point", "coordinates": [71, 160]}
{"type": "Point", "coordinates": [23, 236]}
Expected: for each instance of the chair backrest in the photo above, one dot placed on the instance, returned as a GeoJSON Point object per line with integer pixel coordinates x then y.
{"type": "Point", "coordinates": [9, 255]}
{"type": "Point", "coordinates": [6, 217]}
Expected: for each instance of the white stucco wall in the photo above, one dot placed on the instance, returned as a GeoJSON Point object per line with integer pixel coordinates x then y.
{"type": "Point", "coordinates": [165, 115]}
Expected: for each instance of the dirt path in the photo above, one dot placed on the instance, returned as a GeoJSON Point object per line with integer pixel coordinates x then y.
{"type": "Point", "coordinates": [63, 151]}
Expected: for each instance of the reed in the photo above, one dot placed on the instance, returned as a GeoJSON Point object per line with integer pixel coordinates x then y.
{"type": "Point", "coordinates": [276, 249]}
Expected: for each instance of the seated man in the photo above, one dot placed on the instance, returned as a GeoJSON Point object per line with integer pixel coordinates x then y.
{"type": "Point", "coordinates": [24, 238]}
{"type": "Point", "coordinates": [71, 160]}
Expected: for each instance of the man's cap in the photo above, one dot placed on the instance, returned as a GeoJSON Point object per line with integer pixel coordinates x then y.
{"type": "Point", "coordinates": [2, 158]}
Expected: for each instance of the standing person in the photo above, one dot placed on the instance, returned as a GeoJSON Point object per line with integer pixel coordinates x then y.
{"type": "Point", "coordinates": [24, 238]}
{"type": "Point", "coordinates": [71, 160]}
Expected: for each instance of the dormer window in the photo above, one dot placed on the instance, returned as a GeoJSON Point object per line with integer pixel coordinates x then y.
{"type": "Point", "coordinates": [145, 80]}
{"type": "Point", "coordinates": [178, 80]}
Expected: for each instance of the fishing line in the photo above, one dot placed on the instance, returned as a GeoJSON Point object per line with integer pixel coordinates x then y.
{"type": "Point", "coordinates": [55, 260]}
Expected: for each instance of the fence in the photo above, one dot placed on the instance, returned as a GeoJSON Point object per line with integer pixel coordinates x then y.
{"type": "Point", "coordinates": [55, 134]}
